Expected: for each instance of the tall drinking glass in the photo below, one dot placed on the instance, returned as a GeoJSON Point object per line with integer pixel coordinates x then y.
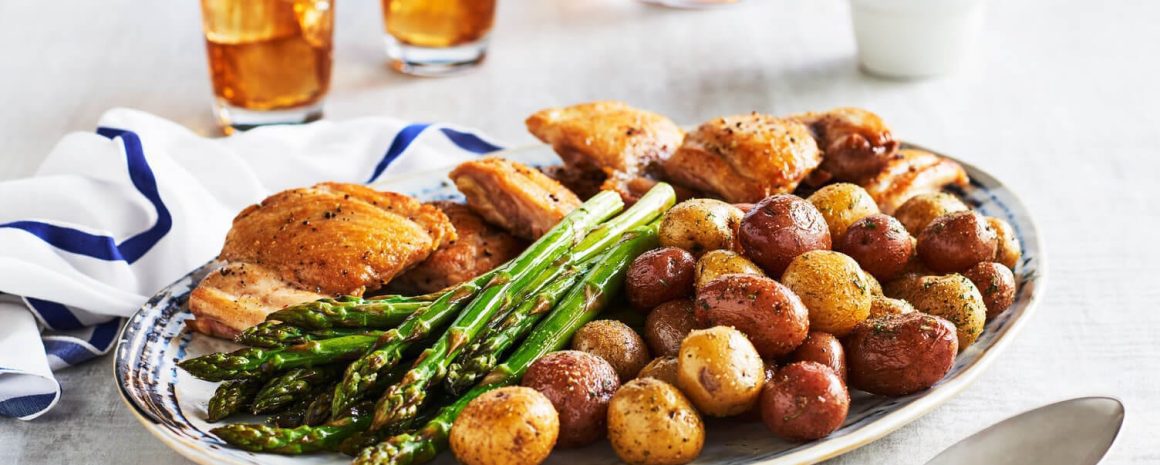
{"type": "Point", "coordinates": [269, 59]}
{"type": "Point", "coordinates": [437, 37]}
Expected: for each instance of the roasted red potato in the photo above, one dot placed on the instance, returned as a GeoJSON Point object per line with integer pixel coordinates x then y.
{"type": "Point", "coordinates": [667, 325]}
{"type": "Point", "coordinates": [822, 348]}
{"type": "Point", "coordinates": [804, 401]}
{"type": "Point", "coordinates": [768, 313]}
{"type": "Point", "coordinates": [779, 228]}
{"type": "Point", "coordinates": [658, 276]}
{"type": "Point", "coordinates": [996, 283]}
{"type": "Point", "coordinates": [580, 385]}
{"type": "Point", "coordinates": [952, 243]}
{"type": "Point", "coordinates": [897, 355]}
{"type": "Point", "coordinates": [879, 244]}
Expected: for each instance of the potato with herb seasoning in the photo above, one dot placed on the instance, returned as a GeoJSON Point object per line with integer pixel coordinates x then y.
{"type": "Point", "coordinates": [579, 385]}
{"type": "Point", "coordinates": [952, 243]}
{"type": "Point", "coordinates": [842, 204]}
{"type": "Point", "coordinates": [650, 422]}
{"type": "Point", "coordinates": [1009, 251]}
{"type": "Point", "coordinates": [895, 355]}
{"type": "Point", "coordinates": [917, 212]}
{"type": "Point", "coordinates": [882, 306]}
{"type": "Point", "coordinates": [804, 401]}
{"type": "Point", "coordinates": [720, 371]}
{"type": "Point", "coordinates": [997, 285]}
{"type": "Point", "coordinates": [616, 343]}
{"type": "Point", "coordinates": [667, 325]}
{"type": "Point", "coordinates": [832, 287]}
{"type": "Point", "coordinates": [700, 225]}
{"type": "Point", "coordinates": [822, 348]}
{"type": "Point", "coordinates": [879, 244]}
{"type": "Point", "coordinates": [779, 228]}
{"type": "Point", "coordinates": [771, 316]}
{"type": "Point", "coordinates": [508, 425]}
{"type": "Point", "coordinates": [658, 276]}
{"type": "Point", "coordinates": [718, 263]}
{"type": "Point", "coordinates": [952, 297]}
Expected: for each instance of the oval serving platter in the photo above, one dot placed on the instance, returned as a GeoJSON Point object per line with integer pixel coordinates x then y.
{"type": "Point", "coordinates": [172, 405]}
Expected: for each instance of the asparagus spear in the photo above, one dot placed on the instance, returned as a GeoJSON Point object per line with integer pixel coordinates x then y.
{"type": "Point", "coordinates": [275, 334]}
{"type": "Point", "coordinates": [347, 312]}
{"type": "Point", "coordinates": [231, 397]}
{"type": "Point", "coordinates": [482, 355]}
{"type": "Point", "coordinates": [293, 385]}
{"type": "Point", "coordinates": [488, 298]}
{"type": "Point", "coordinates": [293, 441]}
{"type": "Point", "coordinates": [291, 417]}
{"type": "Point", "coordinates": [402, 400]}
{"type": "Point", "coordinates": [580, 306]}
{"type": "Point", "coordinates": [250, 362]}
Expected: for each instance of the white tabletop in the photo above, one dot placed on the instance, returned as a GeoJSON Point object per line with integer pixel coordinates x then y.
{"type": "Point", "coordinates": [1060, 105]}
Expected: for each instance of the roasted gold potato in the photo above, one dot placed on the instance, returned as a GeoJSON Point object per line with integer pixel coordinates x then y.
{"type": "Point", "coordinates": [832, 287]}
{"type": "Point", "coordinates": [651, 423]}
{"type": "Point", "coordinates": [662, 368]}
{"type": "Point", "coordinates": [700, 225]}
{"type": "Point", "coordinates": [841, 204]}
{"type": "Point", "coordinates": [508, 425]}
{"type": "Point", "coordinates": [718, 263]}
{"type": "Point", "coordinates": [1009, 251]}
{"type": "Point", "coordinates": [875, 286]}
{"type": "Point", "coordinates": [882, 305]}
{"type": "Point", "coordinates": [952, 297]}
{"type": "Point", "coordinates": [614, 342]}
{"type": "Point", "coordinates": [921, 209]}
{"type": "Point", "coordinates": [720, 371]}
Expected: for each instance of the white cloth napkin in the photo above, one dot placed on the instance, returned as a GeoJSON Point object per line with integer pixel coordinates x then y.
{"type": "Point", "coordinates": [113, 216]}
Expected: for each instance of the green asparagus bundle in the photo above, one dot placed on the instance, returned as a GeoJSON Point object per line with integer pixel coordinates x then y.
{"type": "Point", "coordinates": [276, 334]}
{"type": "Point", "coordinates": [231, 397]}
{"type": "Point", "coordinates": [580, 306]}
{"type": "Point", "coordinates": [298, 440]}
{"type": "Point", "coordinates": [292, 386]}
{"type": "Point", "coordinates": [487, 298]}
{"type": "Point", "coordinates": [403, 400]}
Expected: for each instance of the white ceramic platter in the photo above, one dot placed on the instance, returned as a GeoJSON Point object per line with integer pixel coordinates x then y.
{"type": "Point", "coordinates": [172, 405]}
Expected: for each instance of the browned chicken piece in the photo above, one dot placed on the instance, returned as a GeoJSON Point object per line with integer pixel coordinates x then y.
{"type": "Point", "coordinates": [745, 158]}
{"type": "Point", "coordinates": [329, 239]}
{"type": "Point", "coordinates": [240, 295]}
{"type": "Point", "coordinates": [513, 196]}
{"type": "Point", "coordinates": [607, 140]}
{"type": "Point", "coordinates": [479, 248]}
{"type": "Point", "coordinates": [912, 172]}
{"type": "Point", "coordinates": [856, 143]}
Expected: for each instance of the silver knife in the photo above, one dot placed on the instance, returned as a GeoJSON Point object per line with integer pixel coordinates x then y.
{"type": "Point", "coordinates": [1073, 432]}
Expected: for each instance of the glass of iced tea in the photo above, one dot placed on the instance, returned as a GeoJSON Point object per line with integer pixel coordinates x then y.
{"type": "Point", "coordinates": [437, 37]}
{"type": "Point", "coordinates": [269, 59]}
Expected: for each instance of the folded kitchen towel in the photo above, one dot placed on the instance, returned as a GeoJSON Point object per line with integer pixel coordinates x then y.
{"type": "Point", "coordinates": [115, 215]}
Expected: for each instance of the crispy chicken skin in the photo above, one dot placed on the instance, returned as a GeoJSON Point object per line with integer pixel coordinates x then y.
{"type": "Point", "coordinates": [855, 142]}
{"type": "Point", "coordinates": [238, 296]}
{"type": "Point", "coordinates": [608, 141]}
{"type": "Point", "coordinates": [909, 173]}
{"type": "Point", "coordinates": [513, 196]}
{"type": "Point", "coordinates": [300, 244]}
{"type": "Point", "coordinates": [479, 248]}
{"type": "Point", "coordinates": [745, 158]}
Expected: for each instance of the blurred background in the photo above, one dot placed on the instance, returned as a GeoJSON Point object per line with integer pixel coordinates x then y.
{"type": "Point", "coordinates": [1060, 94]}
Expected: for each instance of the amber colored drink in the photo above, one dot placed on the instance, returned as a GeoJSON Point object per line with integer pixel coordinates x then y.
{"type": "Point", "coordinates": [438, 23]}
{"type": "Point", "coordinates": [269, 54]}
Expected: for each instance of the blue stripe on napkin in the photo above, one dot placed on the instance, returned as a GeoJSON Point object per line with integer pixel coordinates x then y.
{"type": "Point", "coordinates": [26, 405]}
{"type": "Point", "coordinates": [54, 315]}
{"type": "Point", "coordinates": [105, 247]}
{"type": "Point", "coordinates": [469, 142]}
{"type": "Point", "coordinates": [399, 145]}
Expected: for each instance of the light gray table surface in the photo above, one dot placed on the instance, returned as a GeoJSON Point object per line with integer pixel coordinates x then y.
{"type": "Point", "coordinates": [1060, 104]}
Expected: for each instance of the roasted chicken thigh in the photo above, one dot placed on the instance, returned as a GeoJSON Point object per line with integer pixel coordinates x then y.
{"type": "Point", "coordinates": [607, 141]}
{"type": "Point", "coordinates": [745, 158]}
{"type": "Point", "coordinates": [855, 143]}
{"type": "Point", "coordinates": [909, 173]}
{"type": "Point", "coordinates": [479, 248]}
{"type": "Point", "coordinates": [328, 239]}
{"type": "Point", "coordinates": [522, 200]}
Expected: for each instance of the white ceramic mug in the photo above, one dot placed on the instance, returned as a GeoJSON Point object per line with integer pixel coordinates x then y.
{"type": "Point", "coordinates": [915, 38]}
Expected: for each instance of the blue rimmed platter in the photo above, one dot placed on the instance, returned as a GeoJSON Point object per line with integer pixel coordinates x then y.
{"type": "Point", "coordinates": [172, 405]}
